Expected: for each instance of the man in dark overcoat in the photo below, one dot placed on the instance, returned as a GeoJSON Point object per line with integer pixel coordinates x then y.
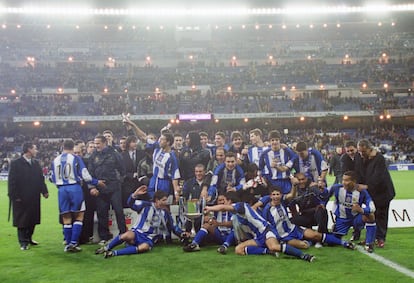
{"type": "Point", "coordinates": [25, 184]}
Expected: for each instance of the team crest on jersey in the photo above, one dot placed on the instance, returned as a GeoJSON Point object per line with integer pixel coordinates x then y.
{"type": "Point", "coordinates": [186, 154]}
{"type": "Point", "coordinates": [96, 159]}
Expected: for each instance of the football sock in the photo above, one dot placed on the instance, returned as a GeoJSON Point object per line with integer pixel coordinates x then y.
{"type": "Point", "coordinates": [252, 250]}
{"type": "Point", "coordinates": [126, 251]}
{"type": "Point", "coordinates": [76, 231]}
{"type": "Point", "coordinates": [200, 236]}
{"type": "Point", "coordinates": [331, 239]}
{"type": "Point", "coordinates": [229, 239]}
{"type": "Point", "coordinates": [115, 242]}
{"type": "Point", "coordinates": [289, 250]}
{"type": "Point", "coordinates": [67, 232]}
{"type": "Point", "coordinates": [371, 230]}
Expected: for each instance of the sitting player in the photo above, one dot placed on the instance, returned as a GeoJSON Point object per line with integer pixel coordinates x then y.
{"type": "Point", "coordinates": [264, 239]}
{"type": "Point", "coordinates": [349, 201]}
{"type": "Point", "coordinates": [275, 212]}
{"type": "Point", "coordinates": [149, 227]}
{"type": "Point", "coordinates": [218, 228]}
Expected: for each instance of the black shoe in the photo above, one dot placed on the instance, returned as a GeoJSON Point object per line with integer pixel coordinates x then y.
{"type": "Point", "coordinates": [34, 243]}
{"type": "Point", "coordinates": [101, 250]}
{"type": "Point", "coordinates": [222, 249]}
{"type": "Point", "coordinates": [191, 248]}
{"type": "Point", "coordinates": [369, 248]}
{"type": "Point", "coordinates": [308, 257]}
{"type": "Point", "coordinates": [24, 247]}
{"type": "Point", "coordinates": [350, 245]}
{"type": "Point", "coordinates": [108, 254]}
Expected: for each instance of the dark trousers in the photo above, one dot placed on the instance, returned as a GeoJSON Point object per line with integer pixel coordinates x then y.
{"type": "Point", "coordinates": [308, 219]}
{"type": "Point", "coordinates": [88, 218]}
{"type": "Point", "coordinates": [381, 218]}
{"type": "Point", "coordinates": [25, 235]}
{"type": "Point", "coordinates": [103, 201]}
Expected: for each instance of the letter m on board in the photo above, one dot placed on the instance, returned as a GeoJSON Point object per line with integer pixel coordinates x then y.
{"type": "Point", "coordinates": [397, 216]}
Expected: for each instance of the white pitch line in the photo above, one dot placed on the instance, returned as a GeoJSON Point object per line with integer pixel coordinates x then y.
{"type": "Point", "coordinates": [388, 263]}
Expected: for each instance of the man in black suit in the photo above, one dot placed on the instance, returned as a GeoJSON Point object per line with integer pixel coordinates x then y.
{"type": "Point", "coordinates": [131, 156]}
{"type": "Point", "coordinates": [25, 184]}
{"type": "Point", "coordinates": [373, 173]}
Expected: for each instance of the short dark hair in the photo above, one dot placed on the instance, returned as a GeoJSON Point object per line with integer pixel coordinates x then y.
{"type": "Point", "coordinates": [169, 137]}
{"type": "Point", "coordinates": [301, 146]}
{"type": "Point", "coordinates": [159, 195]}
{"type": "Point", "coordinates": [275, 134]}
{"type": "Point", "coordinates": [352, 174]}
{"type": "Point", "coordinates": [27, 146]}
{"type": "Point", "coordinates": [365, 143]}
{"type": "Point", "coordinates": [273, 188]}
{"type": "Point", "coordinates": [230, 154]}
{"type": "Point", "coordinates": [101, 137]}
{"type": "Point", "coordinates": [350, 143]}
{"type": "Point", "coordinates": [68, 144]}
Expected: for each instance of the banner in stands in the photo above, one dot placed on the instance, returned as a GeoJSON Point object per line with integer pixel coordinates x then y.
{"type": "Point", "coordinates": [401, 167]}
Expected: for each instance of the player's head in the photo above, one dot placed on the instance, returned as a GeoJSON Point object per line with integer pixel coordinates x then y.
{"type": "Point", "coordinates": [166, 140]}
{"type": "Point", "coordinates": [232, 197]}
{"type": "Point", "coordinates": [222, 199]}
{"type": "Point", "coordinates": [349, 180]}
{"type": "Point", "coordinates": [275, 193]}
{"type": "Point", "coordinates": [68, 144]}
{"type": "Point", "coordinates": [160, 198]}
{"type": "Point", "coordinates": [274, 139]}
{"type": "Point", "coordinates": [255, 136]}
{"type": "Point", "coordinates": [302, 149]}
{"type": "Point", "coordinates": [236, 138]}
{"type": "Point", "coordinates": [220, 139]}
{"type": "Point", "coordinates": [230, 160]}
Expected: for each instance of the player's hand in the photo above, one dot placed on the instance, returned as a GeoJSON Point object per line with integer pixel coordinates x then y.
{"type": "Point", "coordinates": [101, 184]}
{"type": "Point", "coordinates": [94, 192]}
{"type": "Point", "coordinates": [357, 208]}
{"type": "Point", "coordinates": [46, 195]}
{"type": "Point", "coordinates": [140, 191]}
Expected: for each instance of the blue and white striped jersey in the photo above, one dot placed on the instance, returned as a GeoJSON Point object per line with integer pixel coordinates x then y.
{"type": "Point", "coordinates": [312, 166]}
{"type": "Point", "coordinates": [284, 156]}
{"type": "Point", "coordinates": [223, 216]}
{"type": "Point", "coordinates": [165, 165]}
{"type": "Point", "coordinates": [344, 200]}
{"type": "Point", "coordinates": [250, 221]}
{"type": "Point", "coordinates": [278, 217]}
{"type": "Point", "coordinates": [69, 169]}
{"type": "Point", "coordinates": [254, 153]}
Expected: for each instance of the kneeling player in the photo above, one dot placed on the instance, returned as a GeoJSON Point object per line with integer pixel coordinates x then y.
{"type": "Point", "coordinates": [349, 201]}
{"type": "Point", "coordinates": [147, 229]}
